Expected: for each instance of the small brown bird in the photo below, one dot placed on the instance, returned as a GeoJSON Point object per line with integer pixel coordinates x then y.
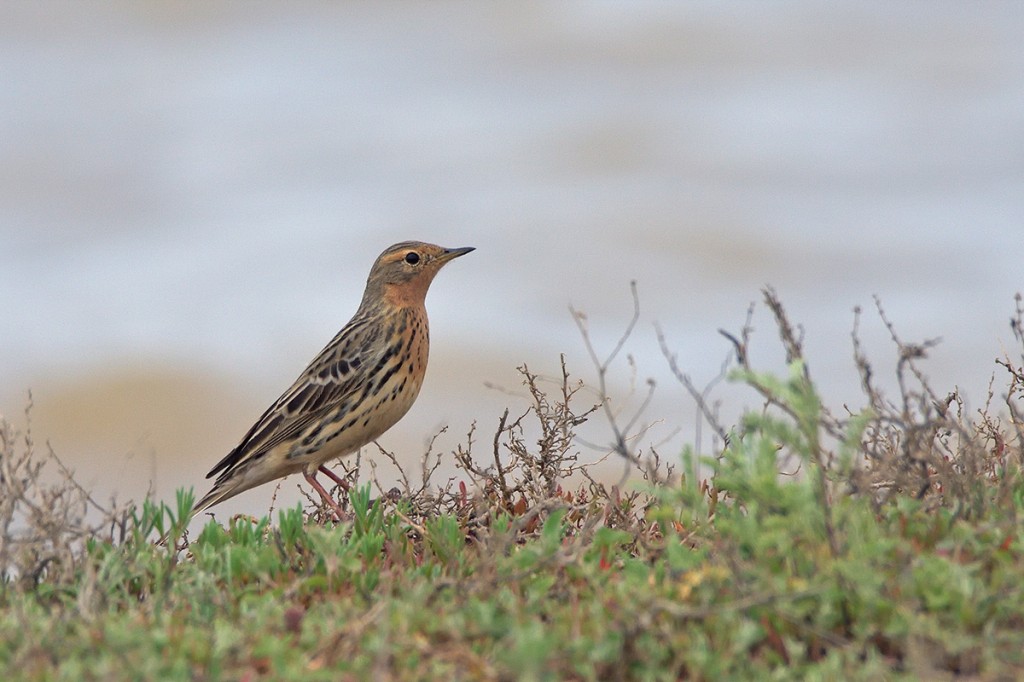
{"type": "Point", "coordinates": [357, 388]}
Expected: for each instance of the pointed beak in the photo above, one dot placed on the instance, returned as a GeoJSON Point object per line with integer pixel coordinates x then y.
{"type": "Point", "coordinates": [449, 254]}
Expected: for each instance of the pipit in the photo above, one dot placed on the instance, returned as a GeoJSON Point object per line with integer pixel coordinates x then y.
{"type": "Point", "coordinates": [357, 388]}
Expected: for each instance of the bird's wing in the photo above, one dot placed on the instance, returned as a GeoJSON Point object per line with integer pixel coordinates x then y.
{"type": "Point", "coordinates": [334, 376]}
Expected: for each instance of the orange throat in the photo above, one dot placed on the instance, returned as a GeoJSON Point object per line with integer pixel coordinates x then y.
{"type": "Point", "coordinates": [411, 294]}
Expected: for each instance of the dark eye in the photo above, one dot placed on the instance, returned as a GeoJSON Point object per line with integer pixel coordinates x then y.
{"type": "Point", "coordinates": [412, 258]}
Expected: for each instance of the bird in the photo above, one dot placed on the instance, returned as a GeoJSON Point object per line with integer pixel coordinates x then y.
{"type": "Point", "coordinates": [359, 386]}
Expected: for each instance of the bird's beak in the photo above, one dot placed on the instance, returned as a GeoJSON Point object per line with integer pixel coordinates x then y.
{"type": "Point", "coordinates": [449, 254]}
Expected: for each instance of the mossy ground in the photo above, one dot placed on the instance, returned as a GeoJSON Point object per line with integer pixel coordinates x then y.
{"type": "Point", "coordinates": [895, 553]}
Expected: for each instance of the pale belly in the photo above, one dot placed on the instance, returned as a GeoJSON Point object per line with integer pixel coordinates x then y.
{"type": "Point", "coordinates": [368, 426]}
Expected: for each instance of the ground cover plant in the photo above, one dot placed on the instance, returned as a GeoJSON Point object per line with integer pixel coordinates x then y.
{"type": "Point", "coordinates": [880, 541]}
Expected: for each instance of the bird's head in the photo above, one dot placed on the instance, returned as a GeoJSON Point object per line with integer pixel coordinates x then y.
{"type": "Point", "coordinates": [402, 274]}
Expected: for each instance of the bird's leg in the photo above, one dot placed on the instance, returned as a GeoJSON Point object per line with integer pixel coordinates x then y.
{"type": "Point", "coordinates": [342, 483]}
{"type": "Point", "coordinates": [328, 500]}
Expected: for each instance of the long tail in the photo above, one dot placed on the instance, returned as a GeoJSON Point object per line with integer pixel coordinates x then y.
{"type": "Point", "coordinates": [217, 494]}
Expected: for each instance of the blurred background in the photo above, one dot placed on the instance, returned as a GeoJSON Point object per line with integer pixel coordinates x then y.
{"type": "Point", "coordinates": [192, 196]}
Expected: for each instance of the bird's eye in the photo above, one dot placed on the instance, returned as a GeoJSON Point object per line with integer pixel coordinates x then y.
{"type": "Point", "coordinates": [412, 258]}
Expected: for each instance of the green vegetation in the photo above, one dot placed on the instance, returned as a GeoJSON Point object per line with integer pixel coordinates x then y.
{"type": "Point", "coordinates": [880, 544]}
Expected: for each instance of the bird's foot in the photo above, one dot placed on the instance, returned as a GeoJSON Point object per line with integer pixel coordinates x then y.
{"type": "Point", "coordinates": [332, 504]}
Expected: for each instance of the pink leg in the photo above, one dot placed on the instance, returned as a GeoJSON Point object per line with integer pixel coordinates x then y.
{"type": "Point", "coordinates": [328, 500]}
{"type": "Point", "coordinates": [335, 477]}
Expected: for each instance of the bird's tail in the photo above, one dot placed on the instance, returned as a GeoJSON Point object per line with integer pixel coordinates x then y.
{"type": "Point", "coordinates": [218, 493]}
